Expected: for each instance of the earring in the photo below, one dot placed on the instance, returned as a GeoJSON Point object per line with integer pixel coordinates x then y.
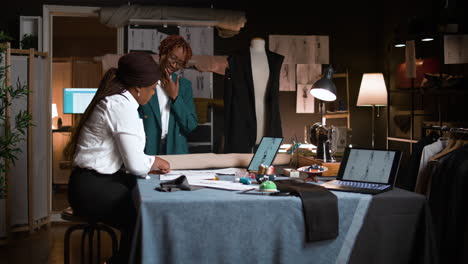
{"type": "Point", "coordinates": [138, 94]}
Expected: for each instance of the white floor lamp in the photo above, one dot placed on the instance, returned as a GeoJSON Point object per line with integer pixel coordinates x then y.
{"type": "Point", "coordinates": [372, 92]}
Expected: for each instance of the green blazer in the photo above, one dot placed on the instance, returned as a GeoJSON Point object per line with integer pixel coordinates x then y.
{"type": "Point", "coordinates": [182, 121]}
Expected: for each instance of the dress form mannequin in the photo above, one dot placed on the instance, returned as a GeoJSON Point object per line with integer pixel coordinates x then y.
{"type": "Point", "coordinates": [260, 74]}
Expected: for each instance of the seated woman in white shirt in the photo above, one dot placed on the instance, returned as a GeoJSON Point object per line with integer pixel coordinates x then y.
{"type": "Point", "coordinates": [108, 148]}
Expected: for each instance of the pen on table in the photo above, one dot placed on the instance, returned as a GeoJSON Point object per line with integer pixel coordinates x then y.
{"type": "Point", "coordinates": [248, 190]}
{"type": "Point", "coordinates": [225, 174]}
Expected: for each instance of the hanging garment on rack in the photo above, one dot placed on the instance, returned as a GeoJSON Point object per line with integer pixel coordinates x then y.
{"type": "Point", "coordinates": [408, 181]}
{"type": "Point", "coordinates": [447, 201]}
{"type": "Point", "coordinates": [429, 151]}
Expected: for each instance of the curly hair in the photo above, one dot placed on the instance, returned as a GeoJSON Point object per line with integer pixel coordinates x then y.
{"type": "Point", "coordinates": [173, 41]}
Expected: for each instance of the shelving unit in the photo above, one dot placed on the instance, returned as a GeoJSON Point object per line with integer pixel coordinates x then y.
{"type": "Point", "coordinates": [341, 114]}
{"type": "Point", "coordinates": [424, 106]}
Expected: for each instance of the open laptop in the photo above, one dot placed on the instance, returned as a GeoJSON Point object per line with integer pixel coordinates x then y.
{"type": "Point", "coordinates": [368, 171]}
{"type": "Point", "coordinates": [265, 153]}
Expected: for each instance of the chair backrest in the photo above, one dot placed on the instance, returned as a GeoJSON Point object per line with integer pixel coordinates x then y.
{"type": "Point", "coordinates": [67, 214]}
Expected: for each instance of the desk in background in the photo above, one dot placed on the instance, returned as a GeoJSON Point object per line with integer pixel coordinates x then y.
{"type": "Point", "coordinates": [216, 226]}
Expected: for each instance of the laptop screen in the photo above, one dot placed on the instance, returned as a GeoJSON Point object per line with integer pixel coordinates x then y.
{"type": "Point", "coordinates": [370, 165]}
{"type": "Point", "coordinates": [265, 153]}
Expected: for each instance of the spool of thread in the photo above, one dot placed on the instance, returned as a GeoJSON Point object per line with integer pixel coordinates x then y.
{"type": "Point", "coordinates": [270, 170]}
{"type": "Point", "coordinates": [245, 181]}
{"type": "Point", "coordinates": [262, 169]}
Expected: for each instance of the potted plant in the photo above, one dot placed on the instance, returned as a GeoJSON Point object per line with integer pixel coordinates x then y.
{"type": "Point", "coordinates": [11, 132]}
{"type": "Point", "coordinates": [29, 41]}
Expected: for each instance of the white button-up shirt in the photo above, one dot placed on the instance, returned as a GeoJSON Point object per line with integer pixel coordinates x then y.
{"type": "Point", "coordinates": [114, 135]}
{"type": "Point", "coordinates": [164, 109]}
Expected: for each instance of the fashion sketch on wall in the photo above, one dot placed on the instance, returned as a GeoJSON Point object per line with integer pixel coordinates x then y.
{"type": "Point", "coordinates": [307, 75]}
{"type": "Point", "coordinates": [201, 42]}
{"type": "Point", "coordinates": [288, 78]}
{"type": "Point", "coordinates": [145, 39]}
{"type": "Point", "coordinates": [301, 49]}
{"type": "Point", "coordinates": [199, 38]}
{"type": "Point", "coordinates": [201, 82]}
{"type": "Point", "coordinates": [304, 100]}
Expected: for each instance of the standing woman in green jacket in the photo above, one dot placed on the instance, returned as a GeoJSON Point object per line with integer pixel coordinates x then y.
{"type": "Point", "coordinates": [170, 115]}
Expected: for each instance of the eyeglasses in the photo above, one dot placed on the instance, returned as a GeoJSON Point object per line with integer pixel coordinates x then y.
{"type": "Point", "coordinates": [172, 58]}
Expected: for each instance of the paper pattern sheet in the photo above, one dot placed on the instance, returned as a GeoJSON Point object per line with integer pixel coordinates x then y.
{"type": "Point", "coordinates": [308, 73]}
{"type": "Point", "coordinates": [201, 42]}
{"type": "Point", "coordinates": [455, 49]}
{"type": "Point", "coordinates": [144, 39]}
{"type": "Point", "coordinates": [199, 38]}
{"type": "Point", "coordinates": [202, 178]}
{"type": "Point", "coordinates": [304, 100]}
{"type": "Point", "coordinates": [201, 82]}
{"type": "Point", "coordinates": [287, 78]}
{"type": "Point", "coordinates": [301, 49]}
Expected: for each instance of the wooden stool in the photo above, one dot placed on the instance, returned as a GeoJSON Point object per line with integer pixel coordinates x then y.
{"type": "Point", "coordinates": [89, 227]}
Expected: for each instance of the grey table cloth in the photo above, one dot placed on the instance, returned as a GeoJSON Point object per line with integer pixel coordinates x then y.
{"type": "Point", "coordinates": [218, 226]}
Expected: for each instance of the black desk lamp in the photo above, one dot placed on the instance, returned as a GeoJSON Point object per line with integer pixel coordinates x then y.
{"type": "Point", "coordinates": [325, 90]}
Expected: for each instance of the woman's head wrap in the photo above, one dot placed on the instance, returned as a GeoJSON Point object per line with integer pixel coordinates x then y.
{"type": "Point", "coordinates": [138, 69]}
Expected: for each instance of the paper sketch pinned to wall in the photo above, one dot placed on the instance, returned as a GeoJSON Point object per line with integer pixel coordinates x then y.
{"type": "Point", "coordinates": [301, 49]}
{"type": "Point", "coordinates": [288, 78]}
{"type": "Point", "coordinates": [308, 73]}
{"type": "Point", "coordinates": [199, 38]}
{"type": "Point", "coordinates": [159, 37]}
{"type": "Point", "coordinates": [201, 82]}
{"type": "Point", "coordinates": [144, 39]}
{"type": "Point", "coordinates": [304, 100]}
{"type": "Point", "coordinates": [201, 42]}
{"type": "Point", "coordinates": [455, 49]}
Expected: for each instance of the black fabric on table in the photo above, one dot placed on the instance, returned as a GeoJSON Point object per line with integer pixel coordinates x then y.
{"type": "Point", "coordinates": [179, 184]}
{"type": "Point", "coordinates": [320, 208]}
{"type": "Point", "coordinates": [397, 229]}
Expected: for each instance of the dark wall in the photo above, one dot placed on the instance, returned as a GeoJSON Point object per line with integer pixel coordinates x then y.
{"type": "Point", "coordinates": [361, 35]}
{"type": "Point", "coordinates": [82, 37]}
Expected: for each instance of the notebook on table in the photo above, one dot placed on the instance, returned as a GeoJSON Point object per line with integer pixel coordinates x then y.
{"type": "Point", "coordinates": [368, 171]}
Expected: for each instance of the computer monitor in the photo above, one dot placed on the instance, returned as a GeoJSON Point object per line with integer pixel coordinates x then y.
{"type": "Point", "coordinates": [76, 100]}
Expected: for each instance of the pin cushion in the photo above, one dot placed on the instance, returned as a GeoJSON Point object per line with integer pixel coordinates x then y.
{"type": "Point", "coordinates": [268, 186]}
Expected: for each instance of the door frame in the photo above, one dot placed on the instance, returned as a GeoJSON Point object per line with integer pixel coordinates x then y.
{"type": "Point", "coordinates": [48, 14]}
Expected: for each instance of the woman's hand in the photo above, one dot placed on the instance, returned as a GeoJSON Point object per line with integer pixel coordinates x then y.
{"type": "Point", "coordinates": [160, 166]}
{"type": "Point", "coordinates": [169, 86]}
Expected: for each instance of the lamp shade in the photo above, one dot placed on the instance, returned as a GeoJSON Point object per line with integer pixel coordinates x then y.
{"type": "Point", "coordinates": [373, 91]}
{"type": "Point", "coordinates": [324, 89]}
{"type": "Point", "coordinates": [54, 110]}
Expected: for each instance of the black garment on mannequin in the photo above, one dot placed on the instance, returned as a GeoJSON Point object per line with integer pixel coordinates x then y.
{"type": "Point", "coordinates": [240, 122]}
